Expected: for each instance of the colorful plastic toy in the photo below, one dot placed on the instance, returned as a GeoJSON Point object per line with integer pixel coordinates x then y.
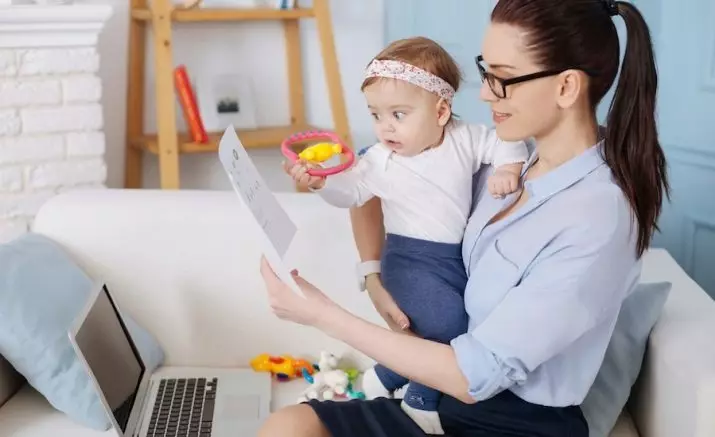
{"type": "Point", "coordinates": [330, 382]}
{"type": "Point", "coordinates": [320, 152]}
{"type": "Point", "coordinates": [283, 368]}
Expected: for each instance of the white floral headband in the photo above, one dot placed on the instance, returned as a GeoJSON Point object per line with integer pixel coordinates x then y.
{"type": "Point", "coordinates": [410, 74]}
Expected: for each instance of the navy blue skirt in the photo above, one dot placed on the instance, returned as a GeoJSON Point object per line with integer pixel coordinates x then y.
{"type": "Point", "coordinates": [504, 415]}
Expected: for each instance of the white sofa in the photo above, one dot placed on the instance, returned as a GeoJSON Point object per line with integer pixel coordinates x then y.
{"type": "Point", "coordinates": [185, 265]}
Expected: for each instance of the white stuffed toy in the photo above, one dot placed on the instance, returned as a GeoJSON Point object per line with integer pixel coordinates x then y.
{"type": "Point", "coordinates": [328, 382]}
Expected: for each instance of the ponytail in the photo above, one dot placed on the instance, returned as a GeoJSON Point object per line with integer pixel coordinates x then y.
{"type": "Point", "coordinates": [631, 148]}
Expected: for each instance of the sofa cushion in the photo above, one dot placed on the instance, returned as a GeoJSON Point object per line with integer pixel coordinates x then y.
{"type": "Point", "coordinates": [27, 414]}
{"type": "Point", "coordinates": [624, 356]}
{"type": "Point", "coordinates": [41, 292]}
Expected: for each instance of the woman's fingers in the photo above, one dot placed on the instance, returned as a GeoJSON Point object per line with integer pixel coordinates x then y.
{"type": "Point", "coordinates": [308, 309]}
{"type": "Point", "coordinates": [308, 289]}
{"type": "Point", "coordinates": [269, 276]}
{"type": "Point", "coordinates": [274, 287]}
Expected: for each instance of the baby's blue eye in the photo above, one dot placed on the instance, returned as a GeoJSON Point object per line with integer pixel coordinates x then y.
{"type": "Point", "coordinates": [399, 115]}
{"type": "Point", "coordinates": [375, 116]}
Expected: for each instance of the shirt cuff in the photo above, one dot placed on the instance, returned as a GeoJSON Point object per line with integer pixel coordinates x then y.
{"type": "Point", "coordinates": [486, 374]}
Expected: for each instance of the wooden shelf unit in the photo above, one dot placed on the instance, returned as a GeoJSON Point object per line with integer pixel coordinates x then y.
{"type": "Point", "coordinates": [167, 144]}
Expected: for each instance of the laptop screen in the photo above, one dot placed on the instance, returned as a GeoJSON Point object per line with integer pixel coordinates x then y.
{"type": "Point", "coordinates": [111, 355]}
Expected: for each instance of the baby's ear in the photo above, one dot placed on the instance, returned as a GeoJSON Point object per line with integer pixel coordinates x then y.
{"type": "Point", "coordinates": [444, 112]}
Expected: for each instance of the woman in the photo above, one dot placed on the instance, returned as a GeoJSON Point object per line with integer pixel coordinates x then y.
{"type": "Point", "coordinates": [548, 266]}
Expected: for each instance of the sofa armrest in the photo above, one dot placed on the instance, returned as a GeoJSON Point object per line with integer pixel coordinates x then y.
{"type": "Point", "coordinates": [675, 393]}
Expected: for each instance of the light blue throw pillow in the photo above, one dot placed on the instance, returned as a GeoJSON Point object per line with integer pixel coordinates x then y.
{"type": "Point", "coordinates": [41, 292]}
{"type": "Point", "coordinates": [624, 357]}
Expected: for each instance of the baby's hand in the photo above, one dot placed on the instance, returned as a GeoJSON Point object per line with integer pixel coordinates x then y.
{"type": "Point", "coordinates": [505, 180]}
{"type": "Point", "coordinates": [299, 172]}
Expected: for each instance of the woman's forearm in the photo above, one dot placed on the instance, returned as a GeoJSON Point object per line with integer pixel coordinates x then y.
{"type": "Point", "coordinates": [427, 362]}
{"type": "Point", "coordinates": [368, 229]}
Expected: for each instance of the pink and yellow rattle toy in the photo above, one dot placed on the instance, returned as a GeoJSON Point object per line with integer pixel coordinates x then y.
{"type": "Point", "coordinates": [320, 152]}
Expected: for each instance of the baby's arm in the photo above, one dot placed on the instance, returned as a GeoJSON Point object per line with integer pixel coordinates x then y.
{"type": "Point", "coordinates": [346, 189]}
{"type": "Point", "coordinates": [488, 148]}
{"type": "Point", "coordinates": [507, 157]}
{"type": "Point", "coordinates": [350, 188]}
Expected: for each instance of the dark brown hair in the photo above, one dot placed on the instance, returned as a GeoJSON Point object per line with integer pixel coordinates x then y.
{"type": "Point", "coordinates": [423, 53]}
{"type": "Point", "coordinates": [580, 34]}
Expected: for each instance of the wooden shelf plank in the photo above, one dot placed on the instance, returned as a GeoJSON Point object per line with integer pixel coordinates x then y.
{"type": "Point", "coordinates": [229, 14]}
{"type": "Point", "coordinates": [251, 139]}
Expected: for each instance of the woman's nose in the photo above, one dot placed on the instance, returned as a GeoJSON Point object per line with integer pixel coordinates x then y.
{"type": "Point", "coordinates": [486, 93]}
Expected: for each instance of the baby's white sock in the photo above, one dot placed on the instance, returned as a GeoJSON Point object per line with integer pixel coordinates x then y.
{"type": "Point", "coordinates": [372, 386]}
{"type": "Point", "coordinates": [427, 420]}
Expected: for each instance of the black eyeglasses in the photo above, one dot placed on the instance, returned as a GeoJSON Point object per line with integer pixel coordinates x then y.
{"type": "Point", "coordinates": [498, 85]}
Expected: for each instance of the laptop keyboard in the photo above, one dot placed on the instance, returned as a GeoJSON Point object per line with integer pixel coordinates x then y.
{"type": "Point", "coordinates": [184, 407]}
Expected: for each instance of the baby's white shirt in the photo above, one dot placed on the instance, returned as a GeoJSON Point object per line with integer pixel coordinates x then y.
{"type": "Point", "coordinates": [427, 196]}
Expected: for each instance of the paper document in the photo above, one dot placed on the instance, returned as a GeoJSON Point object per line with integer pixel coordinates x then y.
{"type": "Point", "coordinates": [278, 228]}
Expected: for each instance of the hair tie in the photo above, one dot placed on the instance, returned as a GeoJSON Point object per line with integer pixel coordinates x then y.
{"type": "Point", "coordinates": [611, 7]}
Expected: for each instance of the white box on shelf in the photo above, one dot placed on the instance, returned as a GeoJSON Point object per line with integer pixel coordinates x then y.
{"type": "Point", "coordinates": [226, 99]}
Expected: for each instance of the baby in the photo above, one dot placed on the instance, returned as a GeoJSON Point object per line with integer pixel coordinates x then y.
{"type": "Point", "coordinates": [422, 170]}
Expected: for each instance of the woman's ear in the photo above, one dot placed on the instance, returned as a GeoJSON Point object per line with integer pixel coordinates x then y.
{"type": "Point", "coordinates": [444, 112]}
{"type": "Point", "coordinates": [571, 83]}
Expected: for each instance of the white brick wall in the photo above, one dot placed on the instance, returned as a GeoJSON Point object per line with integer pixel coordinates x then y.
{"type": "Point", "coordinates": [64, 118]}
{"type": "Point", "coordinates": [82, 89]}
{"type": "Point", "coordinates": [14, 93]}
{"type": "Point", "coordinates": [11, 179]}
{"type": "Point", "coordinates": [8, 66]}
{"type": "Point", "coordinates": [9, 122]}
{"type": "Point", "coordinates": [85, 144]}
{"type": "Point", "coordinates": [57, 61]}
{"type": "Point", "coordinates": [51, 130]}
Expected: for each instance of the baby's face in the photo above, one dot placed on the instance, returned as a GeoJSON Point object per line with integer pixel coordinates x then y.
{"type": "Point", "coordinates": [407, 119]}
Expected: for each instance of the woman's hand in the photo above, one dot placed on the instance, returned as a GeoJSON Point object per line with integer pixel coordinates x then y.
{"type": "Point", "coordinates": [386, 305]}
{"type": "Point", "coordinates": [430, 363]}
{"type": "Point", "coordinates": [312, 310]}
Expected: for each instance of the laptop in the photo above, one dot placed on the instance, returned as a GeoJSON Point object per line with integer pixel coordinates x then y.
{"type": "Point", "coordinates": [190, 402]}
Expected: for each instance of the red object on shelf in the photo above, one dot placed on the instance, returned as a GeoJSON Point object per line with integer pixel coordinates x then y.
{"type": "Point", "coordinates": [187, 99]}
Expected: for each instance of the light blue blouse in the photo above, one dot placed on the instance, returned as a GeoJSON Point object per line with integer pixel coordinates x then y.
{"type": "Point", "coordinates": [546, 284]}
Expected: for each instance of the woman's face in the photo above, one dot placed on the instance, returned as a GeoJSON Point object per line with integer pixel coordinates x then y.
{"type": "Point", "coordinates": [530, 109]}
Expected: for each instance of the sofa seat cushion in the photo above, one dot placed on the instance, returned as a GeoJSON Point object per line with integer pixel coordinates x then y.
{"type": "Point", "coordinates": [28, 414]}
